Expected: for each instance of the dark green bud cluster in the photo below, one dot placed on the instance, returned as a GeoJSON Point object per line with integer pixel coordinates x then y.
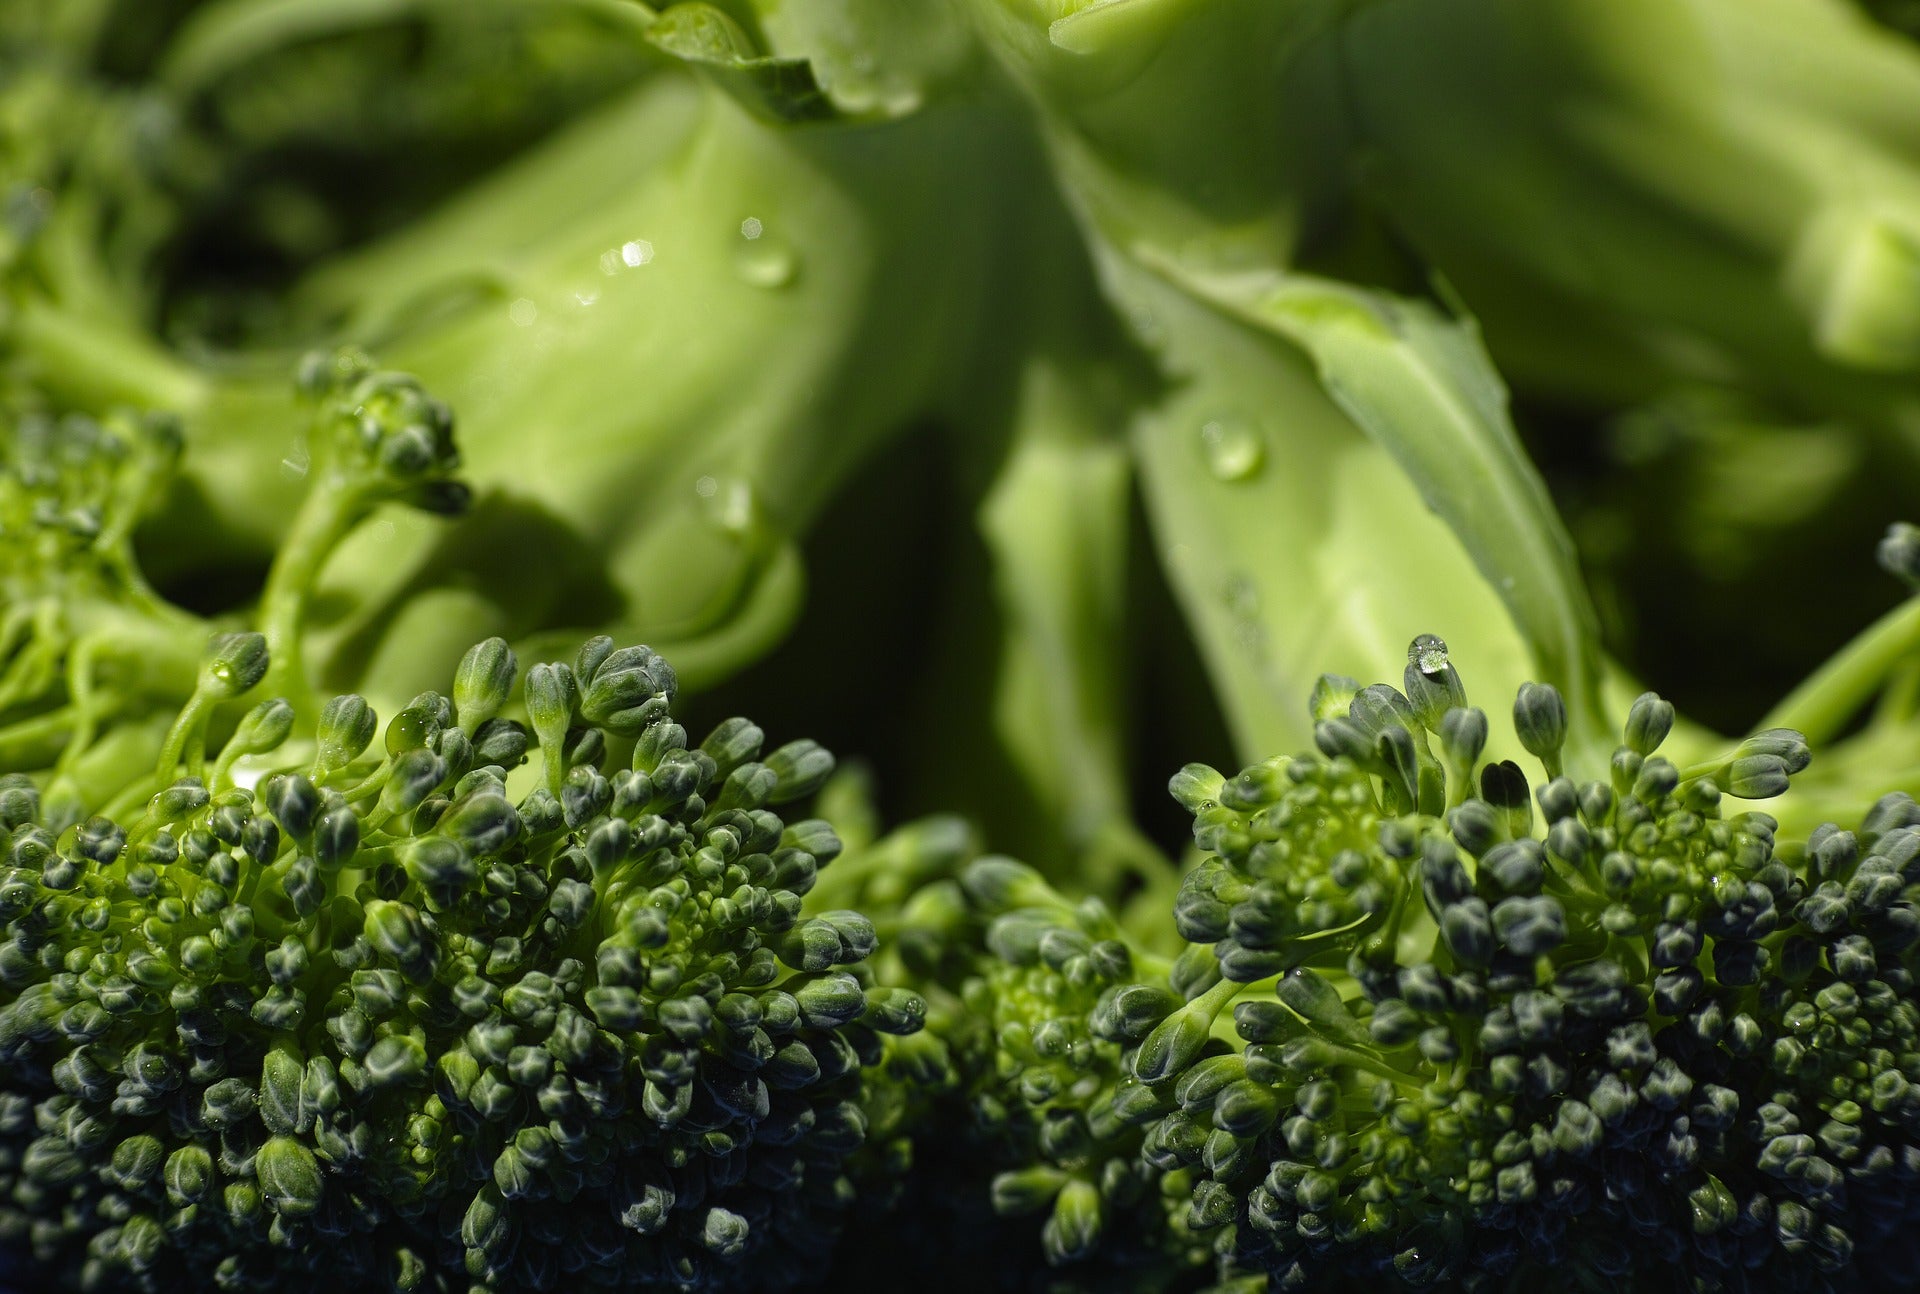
{"type": "Point", "coordinates": [1438, 1024]}
{"type": "Point", "coordinates": [409, 1015]}
{"type": "Point", "coordinates": [1013, 1092]}
{"type": "Point", "coordinates": [1296, 870]}
{"type": "Point", "coordinates": [1604, 1029]}
{"type": "Point", "coordinates": [1051, 992]}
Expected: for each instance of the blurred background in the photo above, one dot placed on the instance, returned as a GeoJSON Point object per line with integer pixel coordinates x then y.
{"type": "Point", "coordinates": [833, 346]}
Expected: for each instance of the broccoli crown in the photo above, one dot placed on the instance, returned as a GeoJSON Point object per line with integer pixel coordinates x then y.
{"type": "Point", "coordinates": [1434, 1024]}
{"type": "Point", "coordinates": [1608, 1025]}
{"type": "Point", "coordinates": [382, 1021]}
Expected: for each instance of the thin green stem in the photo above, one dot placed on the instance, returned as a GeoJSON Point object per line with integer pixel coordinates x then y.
{"type": "Point", "coordinates": [187, 739]}
{"type": "Point", "coordinates": [86, 702]}
{"type": "Point", "coordinates": [222, 779]}
{"type": "Point", "coordinates": [1900, 699]}
{"type": "Point", "coordinates": [16, 623]}
{"type": "Point", "coordinates": [370, 784]}
{"type": "Point", "coordinates": [1211, 1002]}
{"type": "Point", "coordinates": [32, 670]}
{"type": "Point", "coordinates": [324, 518]}
{"type": "Point", "coordinates": [1820, 708]}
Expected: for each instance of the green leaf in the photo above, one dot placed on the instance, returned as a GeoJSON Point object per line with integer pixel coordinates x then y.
{"type": "Point", "coordinates": [1421, 385]}
{"type": "Point", "coordinates": [1322, 557]}
{"type": "Point", "coordinates": [229, 34]}
{"type": "Point", "coordinates": [778, 89]}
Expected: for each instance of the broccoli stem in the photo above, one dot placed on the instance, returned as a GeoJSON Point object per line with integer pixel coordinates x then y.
{"type": "Point", "coordinates": [37, 742]}
{"type": "Point", "coordinates": [1821, 707]}
{"type": "Point", "coordinates": [328, 513]}
{"type": "Point", "coordinates": [187, 738]}
{"type": "Point", "coordinates": [99, 363]}
{"type": "Point", "coordinates": [1900, 699]}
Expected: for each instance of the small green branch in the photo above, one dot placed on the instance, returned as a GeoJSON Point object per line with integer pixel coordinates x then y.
{"type": "Point", "coordinates": [187, 739]}
{"type": "Point", "coordinates": [324, 518]}
{"type": "Point", "coordinates": [1830, 697]}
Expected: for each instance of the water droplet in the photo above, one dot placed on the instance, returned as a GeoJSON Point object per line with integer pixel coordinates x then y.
{"type": "Point", "coordinates": [729, 501]}
{"type": "Point", "coordinates": [637, 252]}
{"type": "Point", "coordinates": [1233, 447]}
{"type": "Point", "coordinates": [523, 312]}
{"type": "Point", "coordinates": [1428, 653]}
{"type": "Point", "coordinates": [1146, 326]}
{"type": "Point", "coordinates": [764, 260]}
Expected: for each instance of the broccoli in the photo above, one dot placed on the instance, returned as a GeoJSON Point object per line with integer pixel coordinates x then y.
{"type": "Point", "coordinates": [1432, 1023]}
{"type": "Point", "coordinates": [634, 464]}
{"type": "Point", "coordinates": [283, 1004]}
{"type": "Point", "coordinates": [380, 1020]}
{"type": "Point", "coordinates": [535, 989]}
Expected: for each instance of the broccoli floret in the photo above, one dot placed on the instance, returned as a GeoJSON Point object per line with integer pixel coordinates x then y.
{"type": "Point", "coordinates": [483, 1001]}
{"type": "Point", "coordinates": [1608, 1025]}
{"type": "Point", "coordinates": [1437, 1024]}
{"type": "Point", "coordinates": [93, 662]}
{"type": "Point", "coordinates": [83, 636]}
{"type": "Point", "coordinates": [1007, 1092]}
{"type": "Point", "coordinates": [382, 1019]}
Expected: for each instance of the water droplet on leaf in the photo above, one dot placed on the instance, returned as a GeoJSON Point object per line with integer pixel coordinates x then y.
{"type": "Point", "coordinates": [1233, 448]}
{"type": "Point", "coordinates": [730, 502]}
{"type": "Point", "coordinates": [764, 260]}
